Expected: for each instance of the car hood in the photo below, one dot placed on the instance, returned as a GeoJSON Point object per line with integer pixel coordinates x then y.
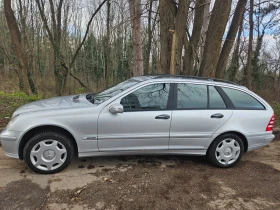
{"type": "Point", "coordinates": [63, 102]}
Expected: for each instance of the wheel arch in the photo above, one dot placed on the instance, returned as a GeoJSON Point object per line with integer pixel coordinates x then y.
{"type": "Point", "coordinates": [240, 135]}
{"type": "Point", "coordinates": [30, 133]}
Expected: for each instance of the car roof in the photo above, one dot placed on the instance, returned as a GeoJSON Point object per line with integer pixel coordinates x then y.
{"type": "Point", "coordinates": [169, 77]}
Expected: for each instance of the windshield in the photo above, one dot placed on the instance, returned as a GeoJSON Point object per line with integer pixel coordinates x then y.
{"type": "Point", "coordinates": [111, 92]}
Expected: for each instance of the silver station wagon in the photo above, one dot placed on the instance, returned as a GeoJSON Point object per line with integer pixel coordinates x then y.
{"type": "Point", "coordinates": [164, 114]}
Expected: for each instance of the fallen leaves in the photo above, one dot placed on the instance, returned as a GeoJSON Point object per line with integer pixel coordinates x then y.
{"type": "Point", "coordinates": [77, 194]}
{"type": "Point", "coordinates": [107, 180]}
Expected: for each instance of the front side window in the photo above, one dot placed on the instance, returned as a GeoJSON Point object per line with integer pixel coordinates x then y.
{"type": "Point", "coordinates": [150, 97]}
{"type": "Point", "coordinates": [191, 96]}
{"type": "Point", "coordinates": [243, 100]}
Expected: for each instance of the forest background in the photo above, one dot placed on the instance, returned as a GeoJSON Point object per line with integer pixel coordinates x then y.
{"type": "Point", "coordinates": [60, 47]}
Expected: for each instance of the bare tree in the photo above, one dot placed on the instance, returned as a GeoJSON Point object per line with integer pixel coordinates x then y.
{"type": "Point", "coordinates": [206, 20]}
{"type": "Point", "coordinates": [234, 64]}
{"type": "Point", "coordinates": [100, 51]}
{"type": "Point", "coordinates": [107, 56]}
{"type": "Point", "coordinates": [61, 69]}
{"type": "Point", "coordinates": [214, 37]}
{"type": "Point", "coordinates": [54, 35]}
{"type": "Point", "coordinates": [178, 36]}
{"type": "Point", "coordinates": [191, 49]}
{"type": "Point", "coordinates": [147, 51]}
{"type": "Point", "coordinates": [167, 12]}
{"type": "Point", "coordinates": [25, 75]}
{"type": "Point", "coordinates": [135, 16]}
{"type": "Point", "coordinates": [236, 20]}
{"type": "Point", "coordinates": [250, 47]}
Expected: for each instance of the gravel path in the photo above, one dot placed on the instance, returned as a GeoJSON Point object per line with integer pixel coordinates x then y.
{"type": "Point", "coordinates": [146, 182]}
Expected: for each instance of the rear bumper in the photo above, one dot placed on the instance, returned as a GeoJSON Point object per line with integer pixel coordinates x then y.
{"type": "Point", "coordinates": [258, 141]}
{"type": "Point", "coordinates": [9, 141]}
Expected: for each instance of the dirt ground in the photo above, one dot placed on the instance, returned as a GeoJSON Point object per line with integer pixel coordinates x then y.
{"type": "Point", "coordinates": [146, 182]}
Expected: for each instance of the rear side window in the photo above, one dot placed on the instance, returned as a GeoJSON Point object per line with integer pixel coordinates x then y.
{"type": "Point", "coordinates": [215, 99]}
{"type": "Point", "coordinates": [243, 100]}
{"type": "Point", "coordinates": [191, 96]}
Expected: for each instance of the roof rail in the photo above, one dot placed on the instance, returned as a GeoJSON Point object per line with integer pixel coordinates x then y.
{"type": "Point", "coordinates": [192, 77]}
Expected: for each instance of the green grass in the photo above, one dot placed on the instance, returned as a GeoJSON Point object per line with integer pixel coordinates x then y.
{"type": "Point", "coordinates": [10, 102]}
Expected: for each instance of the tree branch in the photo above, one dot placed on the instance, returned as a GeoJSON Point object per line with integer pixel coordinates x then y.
{"type": "Point", "coordinates": [53, 16]}
{"type": "Point", "coordinates": [45, 22]}
{"type": "Point", "coordinates": [68, 68]}
{"type": "Point", "coordinates": [59, 21]}
{"type": "Point", "coordinates": [85, 36]}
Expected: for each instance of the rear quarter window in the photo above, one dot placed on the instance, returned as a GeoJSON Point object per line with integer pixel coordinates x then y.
{"type": "Point", "coordinates": [243, 100]}
{"type": "Point", "coordinates": [215, 99]}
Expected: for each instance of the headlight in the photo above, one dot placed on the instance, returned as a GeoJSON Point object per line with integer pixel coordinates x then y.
{"type": "Point", "coordinates": [12, 121]}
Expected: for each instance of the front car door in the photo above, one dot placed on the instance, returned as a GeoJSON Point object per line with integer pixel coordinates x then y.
{"type": "Point", "coordinates": [199, 110]}
{"type": "Point", "coordinates": [144, 124]}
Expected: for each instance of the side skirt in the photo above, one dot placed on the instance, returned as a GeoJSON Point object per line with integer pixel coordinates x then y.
{"type": "Point", "coordinates": [144, 152]}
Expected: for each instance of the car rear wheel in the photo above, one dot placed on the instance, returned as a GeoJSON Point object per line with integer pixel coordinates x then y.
{"type": "Point", "coordinates": [226, 150]}
{"type": "Point", "coordinates": [48, 152]}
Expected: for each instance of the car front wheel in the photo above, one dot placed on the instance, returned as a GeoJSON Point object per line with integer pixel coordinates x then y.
{"type": "Point", "coordinates": [48, 152]}
{"type": "Point", "coordinates": [226, 150]}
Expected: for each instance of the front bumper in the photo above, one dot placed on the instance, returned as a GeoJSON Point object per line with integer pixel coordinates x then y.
{"type": "Point", "coordinates": [9, 141]}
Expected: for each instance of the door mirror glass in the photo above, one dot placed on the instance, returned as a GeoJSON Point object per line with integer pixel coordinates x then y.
{"type": "Point", "coordinates": [116, 108]}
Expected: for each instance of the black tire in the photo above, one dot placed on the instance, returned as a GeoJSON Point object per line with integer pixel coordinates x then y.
{"type": "Point", "coordinates": [211, 152]}
{"type": "Point", "coordinates": [59, 137]}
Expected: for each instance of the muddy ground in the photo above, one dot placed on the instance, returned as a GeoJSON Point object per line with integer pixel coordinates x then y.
{"type": "Point", "coordinates": [146, 182]}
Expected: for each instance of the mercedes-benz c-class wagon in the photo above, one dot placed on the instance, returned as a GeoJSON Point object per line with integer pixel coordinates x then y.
{"type": "Point", "coordinates": [144, 115]}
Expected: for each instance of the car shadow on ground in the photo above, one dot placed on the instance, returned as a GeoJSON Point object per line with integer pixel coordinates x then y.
{"type": "Point", "coordinates": [106, 161]}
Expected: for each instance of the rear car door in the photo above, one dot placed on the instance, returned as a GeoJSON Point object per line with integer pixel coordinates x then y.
{"type": "Point", "coordinates": [198, 111]}
{"type": "Point", "coordinates": [144, 124]}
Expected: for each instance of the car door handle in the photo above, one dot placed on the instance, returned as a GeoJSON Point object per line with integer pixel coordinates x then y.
{"type": "Point", "coordinates": [162, 117]}
{"type": "Point", "coordinates": [218, 115]}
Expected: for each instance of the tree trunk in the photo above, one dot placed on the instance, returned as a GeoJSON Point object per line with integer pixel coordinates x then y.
{"type": "Point", "coordinates": [27, 49]}
{"type": "Point", "coordinates": [214, 37]}
{"type": "Point", "coordinates": [54, 36]}
{"type": "Point", "coordinates": [26, 79]}
{"type": "Point", "coordinates": [107, 55]}
{"type": "Point", "coordinates": [236, 20]}
{"type": "Point", "coordinates": [147, 52]}
{"type": "Point", "coordinates": [250, 47]}
{"type": "Point", "coordinates": [178, 36]}
{"type": "Point", "coordinates": [191, 49]}
{"type": "Point", "coordinates": [256, 71]}
{"type": "Point", "coordinates": [206, 20]}
{"type": "Point", "coordinates": [59, 72]}
{"type": "Point", "coordinates": [234, 65]}
{"type": "Point", "coordinates": [135, 17]}
{"type": "Point", "coordinates": [167, 11]}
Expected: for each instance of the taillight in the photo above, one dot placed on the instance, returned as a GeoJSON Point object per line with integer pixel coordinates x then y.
{"type": "Point", "coordinates": [269, 127]}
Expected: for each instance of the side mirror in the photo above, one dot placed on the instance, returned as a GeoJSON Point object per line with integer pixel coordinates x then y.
{"type": "Point", "coordinates": [116, 108]}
